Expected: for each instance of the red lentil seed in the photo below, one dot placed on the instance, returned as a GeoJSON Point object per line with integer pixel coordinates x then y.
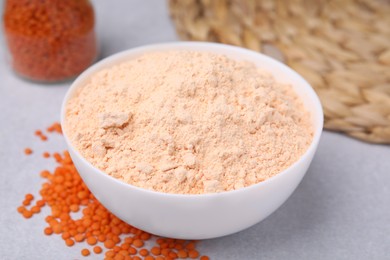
{"type": "Point", "coordinates": [155, 250]}
{"type": "Point", "coordinates": [165, 251]}
{"type": "Point", "coordinates": [138, 243]}
{"type": "Point", "coordinates": [190, 246]}
{"type": "Point", "coordinates": [91, 241]}
{"type": "Point", "coordinates": [182, 254]}
{"type": "Point", "coordinates": [85, 252]}
{"type": "Point", "coordinates": [55, 127]}
{"type": "Point", "coordinates": [28, 151]}
{"type": "Point", "coordinates": [27, 214]}
{"type": "Point", "coordinates": [109, 244]}
{"type": "Point", "coordinates": [125, 246]}
{"type": "Point", "coordinates": [145, 236]}
{"type": "Point", "coordinates": [116, 239]}
{"type": "Point", "coordinates": [97, 250]}
{"type": "Point", "coordinates": [65, 235]}
{"type": "Point", "coordinates": [123, 252]}
{"type": "Point", "coordinates": [193, 254]}
{"type": "Point", "coordinates": [102, 238]}
{"type": "Point", "coordinates": [29, 196]}
{"type": "Point", "coordinates": [69, 242]}
{"type": "Point", "coordinates": [48, 231]}
{"type": "Point", "coordinates": [172, 254]}
{"type": "Point", "coordinates": [132, 251]}
{"type": "Point", "coordinates": [40, 203]}
{"type": "Point", "coordinates": [143, 252]}
{"type": "Point", "coordinates": [79, 237]}
{"type": "Point", "coordinates": [35, 209]}
{"type": "Point", "coordinates": [178, 246]}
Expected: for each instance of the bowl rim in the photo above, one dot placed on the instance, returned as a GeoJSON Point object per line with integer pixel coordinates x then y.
{"type": "Point", "coordinates": [189, 44]}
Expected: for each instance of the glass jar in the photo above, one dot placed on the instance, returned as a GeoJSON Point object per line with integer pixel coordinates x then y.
{"type": "Point", "coordinates": [50, 40]}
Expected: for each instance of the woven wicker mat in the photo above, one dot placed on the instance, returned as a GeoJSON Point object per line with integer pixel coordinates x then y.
{"type": "Point", "coordinates": [341, 47]}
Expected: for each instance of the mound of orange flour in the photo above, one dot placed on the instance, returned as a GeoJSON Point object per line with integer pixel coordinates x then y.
{"type": "Point", "coordinates": [188, 122]}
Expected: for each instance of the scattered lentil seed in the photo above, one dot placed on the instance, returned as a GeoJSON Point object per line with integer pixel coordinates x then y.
{"type": "Point", "coordinates": [27, 214]}
{"type": "Point", "coordinates": [79, 237]}
{"type": "Point", "coordinates": [28, 151]}
{"type": "Point", "coordinates": [102, 238]}
{"type": "Point", "coordinates": [85, 252]}
{"type": "Point", "coordinates": [21, 209]}
{"type": "Point", "coordinates": [74, 207]}
{"type": "Point", "coordinates": [172, 255]}
{"type": "Point", "coordinates": [110, 254]}
{"type": "Point", "coordinates": [165, 252]}
{"type": "Point", "coordinates": [190, 246]}
{"type": "Point", "coordinates": [97, 250]}
{"type": "Point", "coordinates": [55, 127]}
{"type": "Point", "coordinates": [193, 254]}
{"type": "Point", "coordinates": [35, 209]}
{"type": "Point", "coordinates": [91, 240]}
{"type": "Point", "coordinates": [116, 239]}
{"type": "Point", "coordinates": [182, 254]}
{"type": "Point", "coordinates": [109, 244]}
{"type": "Point", "coordinates": [145, 236]}
{"type": "Point", "coordinates": [143, 252]}
{"type": "Point", "coordinates": [29, 196]}
{"type": "Point", "coordinates": [40, 134]}
{"type": "Point", "coordinates": [40, 203]}
{"type": "Point", "coordinates": [132, 251]}
{"type": "Point", "coordinates": [69, 242]}
{"type": "Point", "coordinates": [138, 243]}
{"type": "Point", "coordinates": [48, 231]}
{"type": "Point", "coordinates": [155, 250]}
{"type": "Point", "coordinates": [65, 235]}
{"type": "Point", "coordinates": [123, 252]}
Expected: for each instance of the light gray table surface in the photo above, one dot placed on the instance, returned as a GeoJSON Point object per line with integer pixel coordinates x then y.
{"type": "Point", "coordinates": [341, 210]}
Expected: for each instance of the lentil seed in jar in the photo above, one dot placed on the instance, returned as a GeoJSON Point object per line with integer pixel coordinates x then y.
{"type": "Point", "coordinates": [50, 41]}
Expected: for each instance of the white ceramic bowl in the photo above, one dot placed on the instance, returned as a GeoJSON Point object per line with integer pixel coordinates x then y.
{"type": "Point", "coordinates": [207, 215]}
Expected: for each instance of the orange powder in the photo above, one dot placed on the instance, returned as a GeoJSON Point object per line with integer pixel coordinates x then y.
{"type": "Point", "coordinates": [188, 122]}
